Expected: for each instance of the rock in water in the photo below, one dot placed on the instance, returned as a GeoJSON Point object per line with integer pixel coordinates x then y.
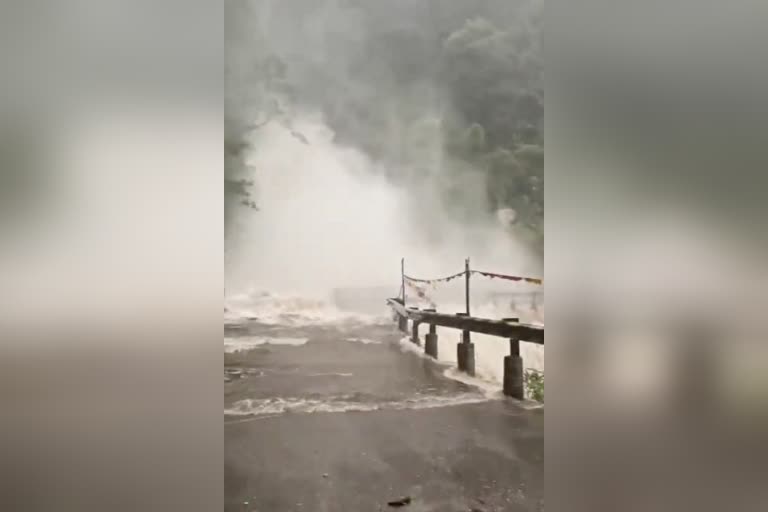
{"type": "Point", "coordinates": [400, 503]}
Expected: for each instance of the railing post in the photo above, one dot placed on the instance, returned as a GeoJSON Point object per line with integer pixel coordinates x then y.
{"type": "Point", "coordinates": [513, 371]}
{"type": "Point", "coordinates": [465, 352]}
{"type": "Point", "coordinates": [402, 320]}
{"type": "Point", "coordinates": [402, 323]}
{"type": "Point", "coordinates": [430, 341]}
{"type": "Point", "coordinates": [466, 287]}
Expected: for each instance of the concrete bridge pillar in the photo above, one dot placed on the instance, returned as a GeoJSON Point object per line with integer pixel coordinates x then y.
{"type": "Point", "coordinates": [402, 323]}
{"type": "Point", "coordinates": [513, 371]}
{"type": "Point", "coordinates": [465, 354]}
{"type": "Point", "coordinates": [415, 333]}
{"type": "Point", "coordinates": [430, 342]}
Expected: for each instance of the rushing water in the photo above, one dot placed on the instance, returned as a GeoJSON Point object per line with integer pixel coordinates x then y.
{"type": "Point", "coordinates": [300, 355]}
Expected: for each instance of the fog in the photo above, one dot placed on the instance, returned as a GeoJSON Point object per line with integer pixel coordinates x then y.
{"type": "Point", "coordinates": [328, 219]}
{"type": "Point", "coordinates": [335, 209]}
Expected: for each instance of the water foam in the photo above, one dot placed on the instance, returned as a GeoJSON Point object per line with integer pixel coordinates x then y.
{"type": "Point", "coordinates": [246, 343]}
{"type": "Point", "coordinates": [272, 309]}
{"type": "Point", "coordinates": [342, 403]}
{"type": "Point", "coordinates": [491, 389]}
{"type": "Point", "coordinates": [364, 341]}
{"type": "Point", "coordinates": [406, 345]}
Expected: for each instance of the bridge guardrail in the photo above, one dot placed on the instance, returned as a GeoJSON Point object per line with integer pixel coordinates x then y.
{"type": "Point", "coordinates": [510, 328]}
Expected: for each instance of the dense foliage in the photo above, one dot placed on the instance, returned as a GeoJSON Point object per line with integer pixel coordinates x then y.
{"type": "Point", "coordinates": [449, 92]}
{"type": "Point", "coordinates": [534, 385]}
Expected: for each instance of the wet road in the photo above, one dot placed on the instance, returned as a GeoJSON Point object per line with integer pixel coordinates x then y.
{"type": "Point", "coordinates": [339, 417]}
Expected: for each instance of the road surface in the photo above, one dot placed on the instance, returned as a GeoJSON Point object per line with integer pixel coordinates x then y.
{"type": "Point", "coordinates": [338, 416]}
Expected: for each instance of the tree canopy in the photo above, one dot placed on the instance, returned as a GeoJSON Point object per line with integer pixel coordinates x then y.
{"type": "Point", "coordinates": [444, 91]}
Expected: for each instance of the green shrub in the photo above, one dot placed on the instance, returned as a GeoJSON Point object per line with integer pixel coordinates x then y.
{"type": "Point", "coordinates": [534, 385]}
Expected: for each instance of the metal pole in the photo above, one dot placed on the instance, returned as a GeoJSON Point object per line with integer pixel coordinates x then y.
{"type": "Point", "coordinates": [466, 271]}
{"type": "Point", "coordinates": [402, 277]}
